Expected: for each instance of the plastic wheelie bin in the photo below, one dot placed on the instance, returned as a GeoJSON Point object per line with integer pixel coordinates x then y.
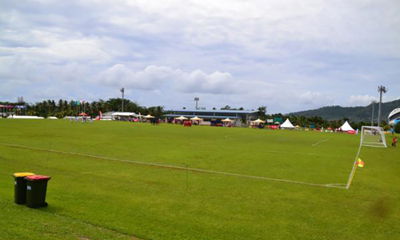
{"type": "Point", "coordinates": [36, 186]}
{"type": "Point", "coordinates": [20, 187]}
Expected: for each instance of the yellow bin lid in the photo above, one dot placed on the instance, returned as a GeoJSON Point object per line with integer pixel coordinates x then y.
{"type": "Point", "coordinates": [23, 174]}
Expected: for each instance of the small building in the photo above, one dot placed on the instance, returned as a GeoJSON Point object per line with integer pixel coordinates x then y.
{"type": "Point", "coordinates": [214, 116]}
{"type": "Point", "coordinates": [121, 116]}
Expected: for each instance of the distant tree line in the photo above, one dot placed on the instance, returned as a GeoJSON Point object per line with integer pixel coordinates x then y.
{"type": "Point", "coordinates": [306, 121]}
{"type": "Point", "coordinates": [319, 122]}
{"type": "Point", "coordinates": [315, 121]}
{"type": "Point", "coordinates": [62, 108]}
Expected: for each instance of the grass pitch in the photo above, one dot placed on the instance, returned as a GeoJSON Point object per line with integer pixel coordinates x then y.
{"type": "Point", "coordinates": [112, 197]}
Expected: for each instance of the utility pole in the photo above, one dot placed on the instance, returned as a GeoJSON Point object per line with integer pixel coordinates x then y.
{"type": "Point", "coordinates": [196, 99]}
{"type": "Point", "coordinates": [381, 90]}
{"type": "Point", "coordinates": [373, 111]}
{"type": "Point", "coordinates": [122, 91]}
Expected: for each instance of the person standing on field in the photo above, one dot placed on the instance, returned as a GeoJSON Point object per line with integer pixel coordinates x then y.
{"type": "Point", "coordinates": [394, 142]}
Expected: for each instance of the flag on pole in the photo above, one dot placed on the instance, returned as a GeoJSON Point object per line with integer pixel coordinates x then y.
{"type": "Point", "coordinates": [360, 163]}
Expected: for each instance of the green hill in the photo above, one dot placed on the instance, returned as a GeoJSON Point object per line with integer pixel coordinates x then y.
{"type": "Point", "coordinates": [355, 114]}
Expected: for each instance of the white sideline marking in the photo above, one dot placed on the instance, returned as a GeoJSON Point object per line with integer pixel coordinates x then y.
{"type": "Point", "coordinates": [328, 185]}
{"type": "Point", "coordinates": [319, 142]}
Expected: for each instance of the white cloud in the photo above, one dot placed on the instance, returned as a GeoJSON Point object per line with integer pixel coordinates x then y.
{"type": "Point", "coordinates": [147, 79]}
{"type": "Point", "coordinates": [200, 82]}
{"type": "Point", "coordinates": [155, 77]}
{"type": "Point", "coordinates": [77, 50]}
{"type": "Point", "coordinates": [261, 27]}
{"type": "Point", "coordinates": [361, 100]}
{"type": "Point", "coordinates": [284, 53]}
{"type": "Point", "coordinates": [315, 98]}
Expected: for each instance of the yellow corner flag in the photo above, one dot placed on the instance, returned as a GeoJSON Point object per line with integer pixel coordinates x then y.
{"type": "Point", "coordinates": [360, 163]}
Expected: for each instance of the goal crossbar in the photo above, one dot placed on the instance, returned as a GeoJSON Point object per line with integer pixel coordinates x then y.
{"type": "Point", "coordinates": [372, 136]}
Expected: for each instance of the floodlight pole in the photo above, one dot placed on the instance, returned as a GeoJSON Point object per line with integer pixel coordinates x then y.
{"type": "Point", "coordinates": [122, 91]}
{"type": "Point", "coordinates": [381, 90]}
{"type": "Point", "coordinates": [373, 110]}
{"type": "Point", "coordinates": [196, 99]}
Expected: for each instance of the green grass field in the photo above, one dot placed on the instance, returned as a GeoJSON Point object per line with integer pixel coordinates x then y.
{"type": "Point", "coordinates": [105, 198]}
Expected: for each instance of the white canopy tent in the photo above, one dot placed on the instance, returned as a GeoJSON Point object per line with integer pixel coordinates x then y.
{"type": "Point", "coordinates": [196, 119]}
{"type": "Point", "coordinates": [181, 118]}
{"type": "Point", "coordinates": [24, 117]}
{"type": "Point", "coordinates": [148, 116]}
{"type": "Point", "coordinates": [346, 127]}
{"type": "Point", "coordinates": [226, 120]}
{"type": "Point", "coordinates": [287, 124]}
{"type": "Point", "coordinates": [258, 121]}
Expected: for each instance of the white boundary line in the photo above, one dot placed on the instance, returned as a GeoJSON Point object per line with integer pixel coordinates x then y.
{"type": "Point", "coordinates": [328, 185]}
{"type": "Point", "coordinates": [354, 168]}
{"type": "Point", "coordinates": [319, 142]}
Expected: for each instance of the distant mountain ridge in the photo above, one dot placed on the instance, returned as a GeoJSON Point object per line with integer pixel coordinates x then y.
{"type": "Point", "coordinates": [355, 114]}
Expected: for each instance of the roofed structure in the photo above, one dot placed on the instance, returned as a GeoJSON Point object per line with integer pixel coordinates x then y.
{"type": "Point", "coordinates": [394, 116]}
{"type": "Point", "coordinates": [208, 115]}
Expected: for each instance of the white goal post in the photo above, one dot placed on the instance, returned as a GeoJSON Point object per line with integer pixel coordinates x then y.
{"type": "Point", "coordinates": [372, 136]}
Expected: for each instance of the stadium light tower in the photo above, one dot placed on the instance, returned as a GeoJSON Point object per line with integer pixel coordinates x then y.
{"type": "Point", "coordinates": [196, 99]}
{"type": "Point", "coordinates": [373, 112]}
{"type": "Point", "coordinates": [122, 104]}
{"type": "Point", "coordinates": [381, 90]}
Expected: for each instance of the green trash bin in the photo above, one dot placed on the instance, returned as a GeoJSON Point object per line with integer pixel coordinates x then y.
{"type": "Point", "coordinates": [20, 187]}
{"type": "Point", "coordinates": [36, 187]}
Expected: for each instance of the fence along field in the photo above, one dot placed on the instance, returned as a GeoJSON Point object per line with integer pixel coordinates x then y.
{"type": "Point", "coordinates": [235, 163]}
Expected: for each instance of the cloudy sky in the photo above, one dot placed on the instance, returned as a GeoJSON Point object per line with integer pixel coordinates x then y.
{"type": "Point", "coordinates": [287, 55]}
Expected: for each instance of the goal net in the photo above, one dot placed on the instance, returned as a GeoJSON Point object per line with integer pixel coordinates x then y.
{"type": "Point", "coordinates": [372, 136]}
